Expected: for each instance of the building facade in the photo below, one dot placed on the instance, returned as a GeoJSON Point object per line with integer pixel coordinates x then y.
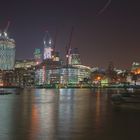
{"type": "Point", "coordinates": [25, 63]}
{"type": "Point", "coordinates": [37, 56]}
{"type": "Point", "coordinates": [54, 73]}
{"type": "Point", "coordinates": [7, 52]}
{"type": "Point", "coordinates": [74, 57]}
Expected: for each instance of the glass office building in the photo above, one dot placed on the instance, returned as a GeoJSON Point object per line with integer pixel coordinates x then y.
{"type": "Point", "coordinates": [7, 52]}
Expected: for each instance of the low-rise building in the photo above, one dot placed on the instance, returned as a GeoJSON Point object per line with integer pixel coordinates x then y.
{"type": "Point", "coordinates": [53, 72]}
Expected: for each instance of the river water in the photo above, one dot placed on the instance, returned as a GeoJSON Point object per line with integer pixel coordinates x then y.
{"type": "Point", "coordinates": [65, 114]}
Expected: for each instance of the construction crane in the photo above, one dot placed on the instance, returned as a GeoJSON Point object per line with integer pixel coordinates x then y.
{"type": "Point", "coordinates": [55, 39]}
{"type": "Point", "coordinates": [6, 29]}
{"type": "Point", "coordinates": [68, 47]}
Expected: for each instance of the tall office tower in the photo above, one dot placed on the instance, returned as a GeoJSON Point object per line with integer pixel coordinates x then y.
{"type": "Point", "coordinates": [7, 52]}
{"type": "Point", "coordinates": [37, 56]}
{"type": "Point", "coordinates": [74, 57]}
{"type": "Point", "coordinates": [48, 46]}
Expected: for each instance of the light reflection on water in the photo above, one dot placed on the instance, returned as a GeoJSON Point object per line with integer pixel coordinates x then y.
{"type": "Point", "coordinates": [51, 114]}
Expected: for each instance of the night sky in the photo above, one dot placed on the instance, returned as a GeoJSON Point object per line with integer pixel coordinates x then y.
{"type": "Point", "coordinates": [104, 30]}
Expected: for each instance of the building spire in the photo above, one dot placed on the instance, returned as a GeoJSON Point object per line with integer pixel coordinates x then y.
{"type": "Point", "coordinates": [48, 46]}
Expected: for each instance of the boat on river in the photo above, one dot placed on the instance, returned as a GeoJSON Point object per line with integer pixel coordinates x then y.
{"type": "Point", "coordinates": [6, 91]}
{"type": "Point", "coordinates": [126, 100]}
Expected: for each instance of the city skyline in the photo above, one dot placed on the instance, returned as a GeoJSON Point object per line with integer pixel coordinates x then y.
{"type": "Point", "coordinates": [104, 30]}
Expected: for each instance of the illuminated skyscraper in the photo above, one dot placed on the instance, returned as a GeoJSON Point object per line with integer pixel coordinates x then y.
{"type": "Point", "coordinates": [48, 46]}
{"type": "Point", "coordinates": [7, 52]}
